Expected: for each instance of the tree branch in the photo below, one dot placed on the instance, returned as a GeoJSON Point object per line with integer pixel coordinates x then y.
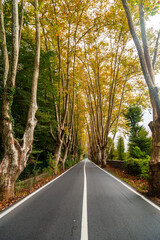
{"type": "Point", "coordinates": [145, 43]}
{"type": "Point", "coordinates": [4, 46]}
{"type": "Point", "coordinates": [51, 133]}
{"type": "Point", "coordinates": [156, 50]}
{"type": "Point", "coordinates": [153, 92]}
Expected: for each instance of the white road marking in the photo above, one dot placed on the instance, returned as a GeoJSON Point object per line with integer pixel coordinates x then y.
{"type": "Point", "coordinates": [144, 198]}
{"type": "Point", "coordinates": [84, 224]}
{"type": "Point", "coordinates": [5, 212]}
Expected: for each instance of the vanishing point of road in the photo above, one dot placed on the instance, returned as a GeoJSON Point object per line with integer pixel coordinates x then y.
{"type": "Point", "coordinates": [84, 203]}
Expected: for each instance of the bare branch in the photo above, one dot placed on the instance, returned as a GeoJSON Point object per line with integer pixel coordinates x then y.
{"type": "Point", "coordinates": [21, 21]}
{"type": "Point", "coordinates": [4, 46]}
{"type": "Point", "coordinates": [156, 50]}
{"type": "Point", "coordinates": [145, 43]}
{"type": "Point", "coordinates": [153, 92]}
{"type": "Point", "coordinates": [51, 133]}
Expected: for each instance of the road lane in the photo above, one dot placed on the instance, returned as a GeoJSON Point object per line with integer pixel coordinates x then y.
{"type": "Point", "coordinates": [54, 213]}
{"type": "Point", "coordinates": [117, 213]}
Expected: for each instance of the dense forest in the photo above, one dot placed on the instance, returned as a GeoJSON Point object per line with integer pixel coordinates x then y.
{"type": "Point", "coordinates": [73, 74]}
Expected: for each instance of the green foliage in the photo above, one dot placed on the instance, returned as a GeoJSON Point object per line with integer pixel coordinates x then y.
{"type": "Point", "coordinates": [136, 152]}
{"type": "Point", "coordinates": [120, 149]}
{"type": "Point", "coordinates": [20, 100]}
{"type": "Point", "coordinates": [43, 146]}
{"type": "Point", "coordinates": [139, 143]}
{"type": "Point", "coordinates": [133, 117]}
{"type": "Point", "coordinates": [113, 153]}
{"type": "Point", "coordinates": [42, 140]}
{"type": "Point", "coordinates": [142, 141]}
{"type": "Point", "coordinates": [79, 152]}
{"type": "Point", "coordinates": [138, 167]}
{"type": "Point", "coordinates": [70, 162]}
{"type": "Point", "coordinates": [51, 164]}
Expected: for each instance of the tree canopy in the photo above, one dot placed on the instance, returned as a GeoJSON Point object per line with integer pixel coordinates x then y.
{"type": "Point", "coordinates": [81, 57]}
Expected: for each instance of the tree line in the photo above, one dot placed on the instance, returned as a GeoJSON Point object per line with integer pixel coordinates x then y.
{"type": "Point", "coordinates": [135, 158]}
{"type": "Point", "coordinates": [78, 61]}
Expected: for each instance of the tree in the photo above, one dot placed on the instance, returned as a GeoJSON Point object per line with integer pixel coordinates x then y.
{"type": "Point", "coordinates": [62, 30]}
{"type": "Point", "coordinates": [120, 148]}
{"type": "Point", "coordinates": [107, 71]}
{"type": "Point", "coordinates": [139, 142]}
{"type": "Point", "coordinates": [16, 154]}
{"type": "Point", "coordinates": [147, 66]}
{"type": "Point", "coordinates": [113, 152]}
{"type": "Point", "coordinates": [133, 117]}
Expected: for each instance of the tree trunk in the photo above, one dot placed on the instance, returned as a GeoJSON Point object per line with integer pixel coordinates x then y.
{"type": "Point", "coordinates": [57, 155]}
{"type": "Point", "coordinates": [98, 157]}
{"type": "Point", "coordinates": [154, 181]}
{"type": "Point", "coordinates": [13, 163]}
{"type": "Point", "coordinates": [7, 178]}
{"type": "Point", "coordinates": [103, 158]}
{"type": "Point", "coordinates": [16, 155]}
{"type": "Point", "coordinates": [65, 157]}
{"type": "Point", "coordinates": [147, 69]}
{"type": "Point", "coordinates": [7, 187]}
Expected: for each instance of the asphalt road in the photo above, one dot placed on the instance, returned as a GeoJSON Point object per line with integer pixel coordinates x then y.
{"type": "Point", "coordinates": [104, 209]}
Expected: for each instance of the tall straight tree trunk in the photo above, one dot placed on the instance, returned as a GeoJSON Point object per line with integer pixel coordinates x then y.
{"type": "Point", "coordinates": [65, 156]}
{"type": "Point", "coordinates": [16, 155]}
{"type": "Point", "coordinates": [103, 157]}
{"type": "Point", "coordinates": [98, 157]}
{"type": "Point", "coordinates": [57, 154]}
{"type": "Point", "coordinates": [147, 69]}
{"type": "Point", "coordinates": [154, 181]}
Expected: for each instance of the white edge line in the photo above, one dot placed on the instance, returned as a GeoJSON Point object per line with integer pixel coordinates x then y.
{"type": "Point", "coordinates": [84, 223]}
{"type": "Point", "coordinates": [5, 212]}
{"type": "Point", "coordinates": [144, 198]}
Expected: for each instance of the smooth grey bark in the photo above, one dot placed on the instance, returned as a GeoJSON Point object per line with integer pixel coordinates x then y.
{"type": "Point", "coordinates": [152, 89]}
{"type": "Point", "coordinates": [147, 69]}
{"type": "Point", "coordinates": [3, 46]}
{"type": "Point", "coordinates": [156, 50]}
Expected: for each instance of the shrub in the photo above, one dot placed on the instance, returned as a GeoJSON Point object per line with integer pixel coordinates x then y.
{"type": "Point", "coordinates": [70, 162]}
{"type": "Point", "coordinates": [138, 167]}
{"type": "Point", "coordinates": [137, 153]}
{"type": "Point", "coordinates": [51, 164]}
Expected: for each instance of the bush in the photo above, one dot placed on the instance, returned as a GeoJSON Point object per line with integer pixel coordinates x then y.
{"type": "Point", "coordinates": [51, 163]}
{"type": "Point", "coordinates": [138, 167]}
{"type": "Point", "coordinates": [137, 153]}
{"type": "Point", "coordinates": [70, 162]}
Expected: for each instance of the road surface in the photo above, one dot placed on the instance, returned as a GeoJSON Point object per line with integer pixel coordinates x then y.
{"type": "Point", "coordinates": [84, 203]}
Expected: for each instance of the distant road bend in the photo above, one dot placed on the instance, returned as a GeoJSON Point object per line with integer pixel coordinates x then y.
{"type": "Point", "coordinates": [85, 203]}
